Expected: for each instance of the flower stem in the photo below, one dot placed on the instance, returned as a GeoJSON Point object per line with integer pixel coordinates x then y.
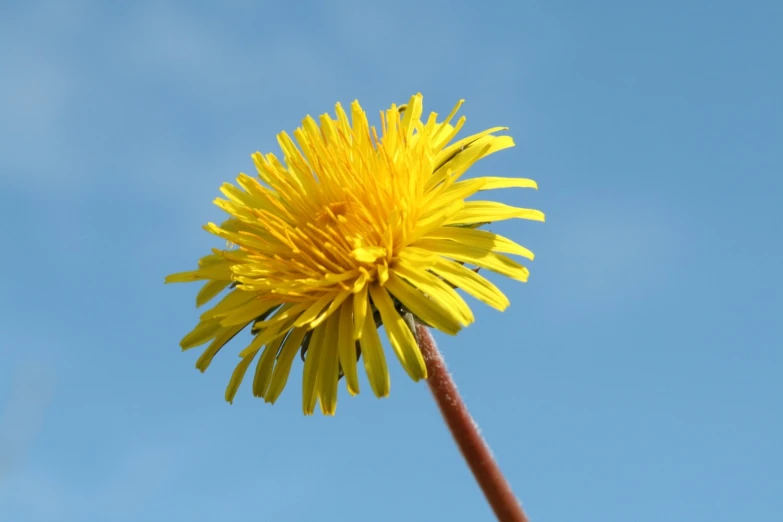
{"type": "Point", "coordinates": [466, 434]}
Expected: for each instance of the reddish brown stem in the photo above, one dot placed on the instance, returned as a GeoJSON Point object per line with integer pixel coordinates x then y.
{"type": "Point", "coordinates": [466, 434]}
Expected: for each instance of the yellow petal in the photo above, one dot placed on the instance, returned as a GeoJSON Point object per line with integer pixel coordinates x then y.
{"type": "Point", "coordinates": [328, 367]}
{"type": "Point", "coordinates": [429, 310]}
{"type": "Point", "coordinates": [472, 283]}
{"type": "Point", "coordinates": [435, 288]}
{"type": "Point", "coordinates": [444, 132]}
{"type": "Point", "coordinates": [455, 192]}
{"type": "Point", "coordinates": [412, 113]}
{"type": "Point", "coordinates": [337, 301]}
{"type": "Point", "coordinates": [347, 347]}
{"type": "Point", "coordinates": [369, 254]}
{"type": "Point", "coordinates": [284, 361]}
{"type": "Point", "coordinates": [265, 366]}
{"type": "Point", "coordinates": [374, 359]}
{"type": "Point", "coordinates": [202, 333]}
{"type": "Point", "coordinates": [481, 239]}
{"type": "Point", "coordinates": [213, 260]}
{"type": "Point", "coordinates": [471, 186]}
{"type": "Point", "coordinates": [475, 211]}
{"type": "Point", "coordinates": [477, 256]}
{"type": "Point", "coordinates": [237, 377]}
{"type": "Point", "coordinates": [247, 312]}
{"type": "Point", "coordinates": [360, 307]}
{"type": "Point", "coordinates": [231, 301]}
{"type": "Point", "coordinates": [400, 336]}
{"type": "Point", "coordinates": [206, 357]}
{"type": "Point", "coordinates": [218, 272]}
{"type": "Point", "coordinates": [492, 183]}
{"type": "Point", "coordinates": [311, 369]}
{"type": "Point", "coordinates": [447, 154]}
{"type": "Point", "coordinates": [458, 165]}
{"type": "Point", "coordinates": [267, 335]}
{"type": "Point", "coordinates": [210, 290]}
{"type": "Point", "coordinates": [310, 314]}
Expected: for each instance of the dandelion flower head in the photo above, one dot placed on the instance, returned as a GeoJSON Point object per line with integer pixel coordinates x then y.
{"type": "Point", "coordinates": [353, 230]}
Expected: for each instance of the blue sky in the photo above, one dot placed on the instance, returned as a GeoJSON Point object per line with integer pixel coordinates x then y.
{"type": "Point", "coordinates": [636, 377]}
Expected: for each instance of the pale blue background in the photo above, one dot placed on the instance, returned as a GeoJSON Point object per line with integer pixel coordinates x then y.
{"type": "Point", "coordinates": [636, 377]}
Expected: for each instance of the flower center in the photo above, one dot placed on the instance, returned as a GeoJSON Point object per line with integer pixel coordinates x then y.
{"type": "Point", "coordinates": [331, 214]}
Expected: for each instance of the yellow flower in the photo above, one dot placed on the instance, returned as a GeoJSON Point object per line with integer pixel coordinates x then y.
{"type": "Point", "coordinates": [350, 231]}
